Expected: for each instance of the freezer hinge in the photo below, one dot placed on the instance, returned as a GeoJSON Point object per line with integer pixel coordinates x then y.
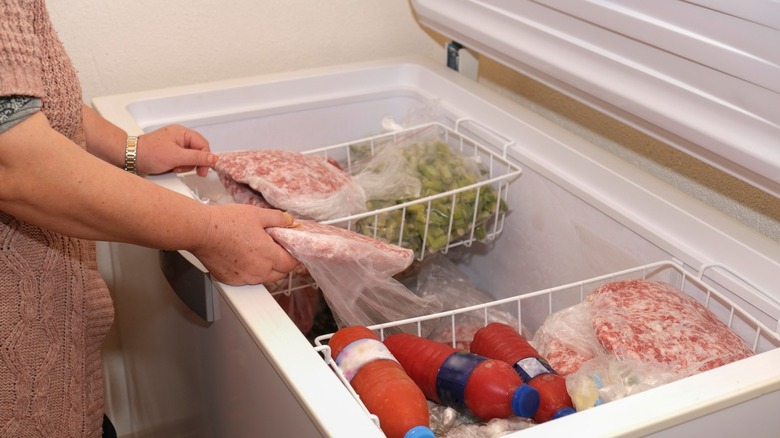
{"type": "Point", "coordinates": [462, 60]}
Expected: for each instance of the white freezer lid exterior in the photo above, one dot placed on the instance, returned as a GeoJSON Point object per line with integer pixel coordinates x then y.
{"type": "Point", "coordinates": [700, 75]}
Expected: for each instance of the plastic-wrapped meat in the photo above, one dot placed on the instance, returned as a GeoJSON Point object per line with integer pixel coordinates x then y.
{"type": "Point", "coordinates": [242, 193]}
{"type": "Point", "coordinates": [567, 340]}
{"type": "Point", "coordinates": [355, 273]}
{"type": "Point", "coordinates": [308, 186]}
{"type": "Point", "coordinates": [653, 321]}
{"type": "Point", "coordinates": [313, 241]}
{"type": "Point", "coordinates": [564, 359]}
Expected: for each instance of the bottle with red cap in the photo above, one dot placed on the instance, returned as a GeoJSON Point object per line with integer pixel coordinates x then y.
{"type": "Point", "coordinates": [484, 388]}
{"type": "Point", "coordinates": [382, 384]}
{"type": "Point", "coordinates": [502, 342]}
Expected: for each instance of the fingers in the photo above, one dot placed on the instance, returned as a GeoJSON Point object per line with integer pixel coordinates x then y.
{"type": "Point", "coordinates": [240, 252]}
{"type": "Point", "coordinates": [275, 275]}
{"type": "Point", "coordinates": [196, 158]}
{"type": "Point", "coordinates": [281, 269]}
{"type": "Point", "coordinates": [177, 148]}
{"type": "Point", "coordinates": [281, 262]}
{"type": "Point", "coordinates": [192, 158]}
{"type": "Point", "coordinates": [277, 218]}
{"type": "Point", "coordinates": [195, 140]}
{"type": "Point", "coordinates": [285, 263]}
{"type": "Point", "coordinates": [204, 161]}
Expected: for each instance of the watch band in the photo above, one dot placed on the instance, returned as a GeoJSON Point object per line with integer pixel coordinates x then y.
{"type": "Point", "coordinates": [131, 154]}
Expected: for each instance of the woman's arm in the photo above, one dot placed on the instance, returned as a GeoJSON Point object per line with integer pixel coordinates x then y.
{"type": "Point", "coordinates": [169, 148]}
{"type": "Point", "coordinates": [49, 181]}
{"type": "Point", "coordinates": [104, 139]}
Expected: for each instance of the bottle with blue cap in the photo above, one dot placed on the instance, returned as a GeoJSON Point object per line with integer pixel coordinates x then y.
{"type": "Point", "coordinates": [475, 385]}
{"type": "Point", "coordinates": [503, 342]}
{"type": "Point", "coordinates": [381, 383]}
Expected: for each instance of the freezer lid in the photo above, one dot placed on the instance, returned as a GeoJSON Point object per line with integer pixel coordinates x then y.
{"type": "Point", "coordinates": [700, 75]}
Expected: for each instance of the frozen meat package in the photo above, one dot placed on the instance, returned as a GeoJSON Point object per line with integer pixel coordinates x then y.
{"type": "Point", "coordinates": [307, 186]}
{"type": "Point", "coordinates": [355, 273]}
{"type": "Point", "coordinates": [632, 335]}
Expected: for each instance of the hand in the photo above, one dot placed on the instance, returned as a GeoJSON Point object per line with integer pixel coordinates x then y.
{"type": "Point", "coordinates": [176, 148]}
{"type": "Point", "coordinates": [236, 249]}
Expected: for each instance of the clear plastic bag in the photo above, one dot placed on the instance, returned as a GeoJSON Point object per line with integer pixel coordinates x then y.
{"type": "Point", "coordinates": [444, 418]}
{"type": "Point", "coordinates": [387, 176]}
{"type": "Point", "coordinates": [424, 155]}
{"type": "Point", "coordinates": [440, 278]}
{"type": "Point", "coordinates": [307, 186]}
{"type": "Point", "coordinates": [567, 339]}
{"type": "Point", "coordinates": [424, 112]}
{"type": "Point", "coordinates": [607, 378]}
{"type": "Point", "coordinates": [355, 273]}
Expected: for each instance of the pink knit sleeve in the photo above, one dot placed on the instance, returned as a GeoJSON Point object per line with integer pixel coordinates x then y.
{"type": "Point", "coordinates": [20, 53]}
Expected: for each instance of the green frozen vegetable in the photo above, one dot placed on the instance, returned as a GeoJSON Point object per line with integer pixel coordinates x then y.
{"type": "Point", "coordinates": [440, 170]}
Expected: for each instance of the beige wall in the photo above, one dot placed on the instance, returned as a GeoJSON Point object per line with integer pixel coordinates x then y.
{"type": "Point", "coordinates": [124, 46]}
{"type": "Point", "coordinates": [144, 44]}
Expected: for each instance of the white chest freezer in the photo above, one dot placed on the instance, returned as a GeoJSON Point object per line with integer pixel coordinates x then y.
{"type": "Point", "coordinates": [231, 363]}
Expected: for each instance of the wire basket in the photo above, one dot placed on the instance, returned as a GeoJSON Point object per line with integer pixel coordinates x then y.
{"type": "Point", "coordinates": [532, 309]}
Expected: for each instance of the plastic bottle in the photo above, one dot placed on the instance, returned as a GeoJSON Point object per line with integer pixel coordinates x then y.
{"type": "Point", "coordinates": [502, 342]}
{"type": "Point", "coordinates": [482, 387]}
{"type": "Point", "coordinates": [382, 384]}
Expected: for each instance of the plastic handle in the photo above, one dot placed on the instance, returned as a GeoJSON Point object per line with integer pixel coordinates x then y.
{"type": "Point", "coordinates": [506, 141]}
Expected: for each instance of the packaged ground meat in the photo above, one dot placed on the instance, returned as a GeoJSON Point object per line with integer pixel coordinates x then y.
{"type": "Point", "coordinates": [242, 193]}
{"type": "Point", "coordinates": [567, 339]}
{"type": "Point", "coordinates": [307, 186]}
{"type": "Point", "coordinates": [653, 321]}
{"type": "Point", "coordinates": [355, 273]}
{"type": "Point", "coordinates": [643, 320]}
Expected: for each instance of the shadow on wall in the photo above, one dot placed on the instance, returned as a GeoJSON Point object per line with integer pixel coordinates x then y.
{"type": "Point", "coordinates": [735, 198]}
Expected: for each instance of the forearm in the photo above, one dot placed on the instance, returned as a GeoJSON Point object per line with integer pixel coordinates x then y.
{"type": "Point", "coordinates": [49, 181]}
{"type": "Point", "coordinates": [104, 139]}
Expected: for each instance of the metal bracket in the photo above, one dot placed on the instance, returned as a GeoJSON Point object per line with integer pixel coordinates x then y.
{"type": "Point", "coordinates": [462, 60]}
{"type": "Point", "coordinates": [193, 286]}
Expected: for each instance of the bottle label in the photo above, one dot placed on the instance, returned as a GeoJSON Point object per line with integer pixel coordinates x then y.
{"type": "Point", "coordinates": [359, 353]}
{"type": "Point", "coordinates": [531, 367]}
{"type": "Point", "coordinates": [452, 377]}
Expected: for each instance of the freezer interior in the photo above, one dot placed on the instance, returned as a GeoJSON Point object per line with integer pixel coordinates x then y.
{"type": "Point", "coordinates": [577, 217]}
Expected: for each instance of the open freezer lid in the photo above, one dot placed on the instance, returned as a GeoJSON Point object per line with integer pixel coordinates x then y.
{"type": "Point", "coordinates": [700, 75]}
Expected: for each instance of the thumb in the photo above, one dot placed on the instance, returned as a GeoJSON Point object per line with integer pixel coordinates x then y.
{"type": "Point", "coordinates": [277, 218]}
{"type": "Point", "coordinates": [197, 158]}
{"type": "Point", "coordinates": [192, 158]}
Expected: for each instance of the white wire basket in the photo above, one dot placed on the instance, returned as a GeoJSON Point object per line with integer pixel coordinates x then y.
{"type": "Point", "coordinates": [428, 224]}
{"type": "Point", "coordinates": [530, 311]}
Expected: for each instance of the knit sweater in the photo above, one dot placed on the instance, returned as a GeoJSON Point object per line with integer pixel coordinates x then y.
{"type": "Point", "coordinates": [55, 309]}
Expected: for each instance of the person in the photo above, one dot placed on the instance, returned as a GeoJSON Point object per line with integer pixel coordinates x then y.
{"type": "Point", "coordinates": [63, 185]}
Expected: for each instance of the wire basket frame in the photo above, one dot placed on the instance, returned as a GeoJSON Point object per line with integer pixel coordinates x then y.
{"type": "Point", "coordinates": [531, 309]}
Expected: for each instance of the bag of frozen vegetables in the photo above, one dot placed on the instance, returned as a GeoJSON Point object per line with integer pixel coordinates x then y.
{"type": "Point", "coordinates": [424, 170]}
